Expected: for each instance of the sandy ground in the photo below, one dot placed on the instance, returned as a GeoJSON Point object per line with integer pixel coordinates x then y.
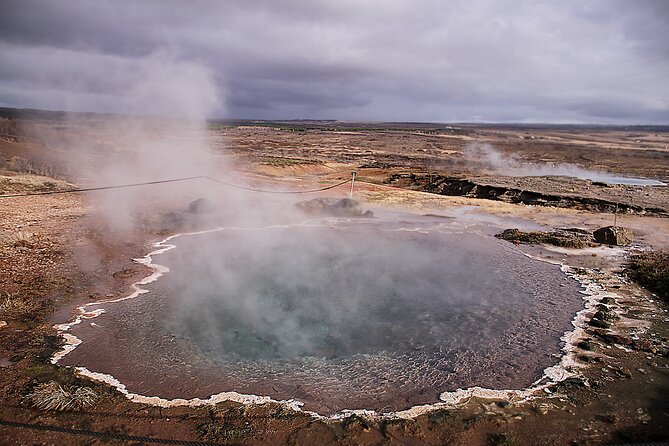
{"type": "Point", "coordinates": [55, 256]}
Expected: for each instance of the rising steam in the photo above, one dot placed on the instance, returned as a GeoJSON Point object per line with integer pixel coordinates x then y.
{"type": "Point", "coordinates": [485, 156]}
{"type": "Point", "coordinates": [369, 309]}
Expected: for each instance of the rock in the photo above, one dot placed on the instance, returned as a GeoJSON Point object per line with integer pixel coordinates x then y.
{"type": "Point", "coordinates": [611, 338]}
{"type": "Point", "coordinates": [644, 345]}
{"type": "Point", "coordinates": [622, 372]}
{"type": "Point", "coordinates": [123, 274]}
{"type": "Point", "coordinates": [606, 300]}
{"type": "Point", "coordinates": [607, 316]}
{"type": "Point", "coordinates": [607, 418]}
{"type": "Point", "coordinates": [614, 235]}
{"type": "Point", "coordinates": [571, 383]}
{"type": "Point", "coordinates": [439, 416]}
{"type": "Point", "coordinates": [566, 238]}
{"type": "Point", "coordinates": [643, 415]}
{"type": "Point", "coordinates": [170, 221]}
{"type": "Point", "coordinates": [599, 323]}
{"type": "Point", "coordinates": [3, 324]}
{"type": "Point", "coordinates": [201, 206]}
{"type": "Point", "coordinates": [334, 207]}
{"type": "Point", "coordinates": [347, 207]}
{"type": "Point", "coordinates": [585, 344]}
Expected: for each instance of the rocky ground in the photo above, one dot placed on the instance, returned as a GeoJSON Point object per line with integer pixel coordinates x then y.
{"type": "Point", "coordinates": [55, 255]}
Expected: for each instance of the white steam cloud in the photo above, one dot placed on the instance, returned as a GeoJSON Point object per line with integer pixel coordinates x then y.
{"type": "Point", "coordinates": [485, 156]}
{"type": "Point", "coordinates": [162, 135]}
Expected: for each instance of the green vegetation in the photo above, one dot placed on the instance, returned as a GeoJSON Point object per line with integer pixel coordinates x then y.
{"type": "Point", "coordinates": [651, 271]}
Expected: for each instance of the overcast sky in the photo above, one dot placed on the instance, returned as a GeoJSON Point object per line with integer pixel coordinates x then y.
{"type": "Point", "coordinates": [594, 61]}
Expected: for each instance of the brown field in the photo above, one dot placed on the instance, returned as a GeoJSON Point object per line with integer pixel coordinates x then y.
{"type": "Point", "coordinates": [56, 252]}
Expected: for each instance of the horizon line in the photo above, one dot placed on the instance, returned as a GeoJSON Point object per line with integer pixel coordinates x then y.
{"type": "Point", "coordinates": [334, 120]}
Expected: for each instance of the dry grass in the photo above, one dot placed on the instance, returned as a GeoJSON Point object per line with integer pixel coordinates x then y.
{"type": "Point", "coordinates": [20, 183]}
{"type": "Point", "coordinates": [21, 239]}
{"type": "Point", "coordinates": [429, 202]}
{"type": "Point", "coordinates": [284, 162]}
{"type": "Point", "coordinates": [651, 270]}
{"type": "Point", "coordinates": [221, 425]}
{"type": "Point", "coordinates": [563, 238]}
{"type": "Point", "coordinates": [217, 430]}
{"type": "Point", "coordinates": [13, 306]}
{"type": "Point", "coordinates": [52, 396]}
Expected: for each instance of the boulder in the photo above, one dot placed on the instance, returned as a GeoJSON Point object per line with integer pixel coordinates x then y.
{"type": "Point", "coordinates": [201, 206]}
{"type": "Point", "coordinates": [347, 207]}
{"type": "Point", "coordinates": [334, 207]}
{"type": "Point", "coordinates": [614, 235]}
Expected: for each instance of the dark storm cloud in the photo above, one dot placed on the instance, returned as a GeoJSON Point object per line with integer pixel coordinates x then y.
{"type": "Point", "coordinates": [476, 60]}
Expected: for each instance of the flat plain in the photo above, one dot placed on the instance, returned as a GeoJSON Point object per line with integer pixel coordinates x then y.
{"type": "Point", "coordinates": [58, 253]}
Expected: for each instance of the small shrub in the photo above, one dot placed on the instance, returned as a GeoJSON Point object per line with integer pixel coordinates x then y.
{"type": "Point", "coordinates": [52, 396]}
{"type": "Point", "coordinates": [651, 270]}
{"type": "Point", "coordinates": [45, 186]}
{"type": "Point", "coordinates": [22, 239]}
{"type": "Point", "coordinates": [16, 307]}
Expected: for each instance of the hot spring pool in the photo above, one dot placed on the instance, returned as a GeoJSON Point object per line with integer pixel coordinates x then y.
{"type": "Point", "coordinates": [370, 314]}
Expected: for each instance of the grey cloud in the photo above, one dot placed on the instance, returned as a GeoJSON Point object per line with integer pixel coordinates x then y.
{"type": "Point", "coordinates": [487, 60]}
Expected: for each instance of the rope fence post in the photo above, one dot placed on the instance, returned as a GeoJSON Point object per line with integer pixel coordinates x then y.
{"type": "Point", "coordinates": [615, 216]}
{"type": "Point", "coordinates": [350, 195]}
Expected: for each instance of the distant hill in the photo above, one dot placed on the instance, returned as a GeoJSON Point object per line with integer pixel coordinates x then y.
{"type": "Point", "coordinates": [47, 115]}
{"type": "Point", "coordinates": [332, 124]}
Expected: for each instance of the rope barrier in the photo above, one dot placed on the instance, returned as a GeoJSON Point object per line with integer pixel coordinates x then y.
{"type": "Point", "coordinates": [147, 183]}
{"type": "Point", "coordinates": [265, 191]}
{"type": "Point", "coordinates": [88, 189]}
{"type": "Point", "coordinates": [105, 435]}
{"type": "Point", "coordinates": [119, 436]}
